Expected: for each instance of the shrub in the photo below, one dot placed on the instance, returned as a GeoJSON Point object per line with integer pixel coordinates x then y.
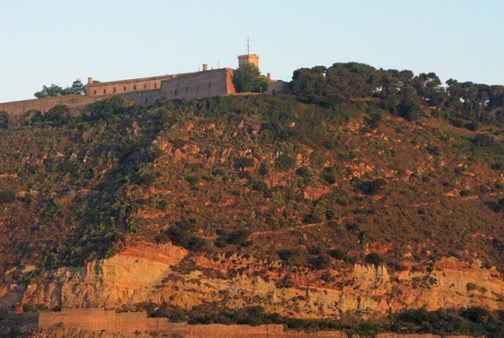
{"type": "Point", "coordinates": [192, 180]}
{"type": "Point", "coordinates": [483, 140]}
{"type": "Point", "coordinates": [4, 120]}
{"type": "Point", "coordinates": [57, 115]}
{"type": "Point", "coordinates": [285, 162]}
{"type": "Point", "coordinates": [337, 254]}
{"type": "Point", "coordinates": [237, 236]}
{"type": "Point", "coordinates": [472, 126]}
{"type": "Point", "coordinates": [374, 258]}
{"type": "Point", "coordinates": [290, 256]}
{"type": "Point", "coordinates": [369, 187]}
{"type": "Point", "coordinates": [329, 178]}
{"type": "Point", "coordinates": [264, 169]}
{"type": "Point", "coordinates": [106, 109]}
{"type": "Point", "coordinates": [7, 196]}
{"type": "Point", "coordinates": [243, 162]}
{"type": "Point", "coordinates": [311, 218]}
{"type": "Point", "coordinates": [303, 172]}
{"type": "Point", "coordinates": [465, 192]}
{"type": "Point", "coordinates": [320, 262]}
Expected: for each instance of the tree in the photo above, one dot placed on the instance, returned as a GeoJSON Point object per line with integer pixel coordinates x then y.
{"type": "Point", "coordinates": [77, 88]}
{"type": "Point", "coordinates": [4, 120]}
{"type": "Point", "coordinates": [409, 107]}
{"type": "Point", "coordinates": [247, 78]}
{"type": "Point", "coordinates": [58, 115]}
{"type": "Point", "coordinates": [53, 90]}
{"type": "Point", "coordinates": [309, 84]}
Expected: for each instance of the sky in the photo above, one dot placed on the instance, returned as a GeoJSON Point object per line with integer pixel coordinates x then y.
{"type": "Point", "coordinates": [48, 41]}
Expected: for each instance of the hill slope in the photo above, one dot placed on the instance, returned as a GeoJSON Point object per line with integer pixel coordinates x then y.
{"type": "Point", "coordinates": [305, 210]}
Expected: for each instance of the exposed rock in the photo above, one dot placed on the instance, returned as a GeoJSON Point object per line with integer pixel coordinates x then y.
{"type": "Point", "coordinates": [147, 273]}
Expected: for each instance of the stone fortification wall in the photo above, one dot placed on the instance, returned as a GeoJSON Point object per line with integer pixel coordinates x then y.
{"type": "Point", "coordinates": [144, 97]}
{"type": "Point", "coordinates": [131, 322]}
{"type": "Point", "coordinates": [43, 105]}
{"type": "Point", "coordinates": [128, 323]}
{"type": "Point", "coordinates": [217, 82]}
{"type": "Point", "coordinates": [124, 86]}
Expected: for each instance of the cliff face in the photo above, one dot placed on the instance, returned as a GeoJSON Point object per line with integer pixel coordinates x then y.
{"type": "Point", "coordinates": [159, 273]}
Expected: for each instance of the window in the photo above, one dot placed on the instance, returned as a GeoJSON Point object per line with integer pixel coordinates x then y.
{"type": "Point", "coordinates": [197, 89]}
{"type": "Point", "coordinates": [124, 88]}
{"type": "Point", "coordinates": [176, 92]}
{"type": "Point", "coordinates": [155, 85]}
{"type": "Point", "coordinates": [94, 92]}
{"type": "Point", "coordinates": [145, 86]}
{"type": "Point", "coordinates": [105, 91]}
{"type": "Point", "coordinates": [134, 87]}
{"type": "Point", "coordinates": [114, 89]}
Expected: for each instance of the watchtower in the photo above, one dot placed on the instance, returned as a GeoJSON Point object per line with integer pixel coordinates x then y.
{"type": "Point", "coordinates": [252, 59]}
{"type": "Point", "coordinates": [248, 58]}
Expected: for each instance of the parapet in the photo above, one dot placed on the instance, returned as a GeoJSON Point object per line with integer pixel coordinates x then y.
{"type": "Point", "coordinates": [252, 59]}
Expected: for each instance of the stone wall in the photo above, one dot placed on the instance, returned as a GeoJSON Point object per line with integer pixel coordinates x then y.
{"type": "Point", "coordinates": [143, 91]}
{"type": "Point", "coordinates": [199, 85]}
{"type": "Point", "coordinates": [43, 105]}
{"type": "Point", "coordinates": [131, 322]}
{"type": "Point", "coordinates": [144, 97]}
{"type": "Point", "coordinates": [124, 86]}
{"type": "Point", "coordinates": [138, 323]}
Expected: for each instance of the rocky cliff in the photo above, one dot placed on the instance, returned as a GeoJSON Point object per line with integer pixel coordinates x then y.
{"type": "Point", "coordinates": [146, 272]}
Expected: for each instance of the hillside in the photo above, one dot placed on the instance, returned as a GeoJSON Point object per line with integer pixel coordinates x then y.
{"type": "Point", "coordinates": [342, 210]}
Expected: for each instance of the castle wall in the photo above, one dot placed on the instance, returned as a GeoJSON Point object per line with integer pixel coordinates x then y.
{"type": "Point", "coordinates": [144, 97]}
{"type": "Point", "coordinates": [199, 85]}
{"type": "Point", "coordinates": [125, 86]}
{"type": "Point", "coordinates": [44, 104]}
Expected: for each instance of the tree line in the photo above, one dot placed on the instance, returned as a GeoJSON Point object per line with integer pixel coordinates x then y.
{"type": "Point", "coordinates": [400, 92]}
{"type": "Point", "coordinates": [77, 88]}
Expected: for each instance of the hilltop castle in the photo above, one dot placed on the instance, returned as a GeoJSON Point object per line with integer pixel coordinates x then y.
{"type": "Point", "coordinates": [195, 85]}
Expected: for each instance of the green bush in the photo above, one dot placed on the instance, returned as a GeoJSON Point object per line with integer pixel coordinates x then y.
{"type": "Point", "coordinates": [303, 172]}
{"type": "Point", "coordinates": [285, 162]}
{"type": "Point", "coordinates": [311, 219]}
{"type": "Point", "coordinates": [4, 120]}
{"type": "Point", "coordinates": [337, 254]}
{"type": "Point", "coordinates": [374, 258]}
{"type": "Point", "coordinates": [243, 162]}
{"type": "Point", "coordinates": [7, 196]}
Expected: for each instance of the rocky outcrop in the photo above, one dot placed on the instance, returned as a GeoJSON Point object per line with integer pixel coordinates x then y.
{"type": "Point", "coordinates": [162, 273]}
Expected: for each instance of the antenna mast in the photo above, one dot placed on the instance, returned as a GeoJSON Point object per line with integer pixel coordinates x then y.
{"type": "Point", "coordinates": [248, 45]}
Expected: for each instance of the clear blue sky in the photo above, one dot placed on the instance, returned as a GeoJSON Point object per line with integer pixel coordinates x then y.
{"type": "Point", "coordinates": [44, 42]}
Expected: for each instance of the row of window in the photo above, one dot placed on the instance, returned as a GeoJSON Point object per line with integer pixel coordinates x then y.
{"type": "Point", "coordinates": [114, 90]}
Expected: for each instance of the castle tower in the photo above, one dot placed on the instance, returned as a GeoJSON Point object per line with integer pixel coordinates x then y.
{"type": "Point", "coordinates": [252, 59]}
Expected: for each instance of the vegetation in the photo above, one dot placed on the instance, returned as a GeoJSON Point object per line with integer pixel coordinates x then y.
{"type": "Point", "coordinates": [401, 93]}
{"type": "Point", "coordinates": [54, 90]}
{"type": "Point", "coordinates": [357, 165]}
{"type": "Point", "coordinates": [247, 78]}
{"type": "Point", "coordinates": [472, 321]}
{"type": "Point", "coordinates": [4, 120]}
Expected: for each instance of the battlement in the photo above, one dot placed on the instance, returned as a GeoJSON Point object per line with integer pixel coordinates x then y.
{"type": "Point", "coordinates": [252, 59]}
